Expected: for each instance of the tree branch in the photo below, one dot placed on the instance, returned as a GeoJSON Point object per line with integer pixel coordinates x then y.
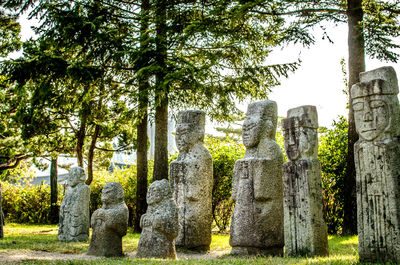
{"type": "Point", "coordinates": [112, 150]}
{"type": "Point", "coordinates": [303, 12]}
{"type": "Point", "coordinates": [16, 160]}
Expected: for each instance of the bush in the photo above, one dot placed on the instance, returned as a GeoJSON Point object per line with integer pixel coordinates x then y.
{"type": "Point", "coordinates": [27, 204]}
{"type": "Point", "coordinates": [126, 177]}
{"type": "Point", "coordinates": [31, 203]}
{"type": "Point", "coordinates": [225, 153]}
{"type": "Point", "coordinates": [332, 156]}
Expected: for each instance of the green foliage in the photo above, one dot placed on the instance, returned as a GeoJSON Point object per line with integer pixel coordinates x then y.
{"type": "Point", "coordinates": [281, 142]}
{"type": "Point", "coordinates": [126, 177]}
{"type": "Point", "coordinates": [229, 61]}
{"type": "Point", "coordinates": [224, 153]}
{"type": "Point", "coordinates": [70, 97]}
{"type": "Point", "coordinates": [31, 203]}
{"type": "Point", "coordinates": [9, 34]}
{"type": "Point", "coordinates": [22, 173]}
{"type": "Point", "coordinates": [380, 21]}
{"type": "Point", "coordinates": [332, 156]}
{"type": "Point", "coordinates": [27, 204]}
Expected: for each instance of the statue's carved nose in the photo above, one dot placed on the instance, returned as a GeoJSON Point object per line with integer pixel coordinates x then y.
{"type": "Point", "coordinates": [368, 116]}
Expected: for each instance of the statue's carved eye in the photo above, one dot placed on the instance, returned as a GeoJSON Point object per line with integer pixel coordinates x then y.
{"type": "Point", "coordinates": [182, 131]}
{"type": "Point", "coordinates": [358, 106]}
{"type": "Point", "coordinates": [377, 104]}
{"type": "Point", "coordinates": [250, 125]}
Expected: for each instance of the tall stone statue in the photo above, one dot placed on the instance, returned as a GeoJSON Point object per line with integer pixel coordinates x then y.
{"type": "Point", "coordinates": [159, 224]}
{"type": "Point", "coordinates": [109, 223]}
{"type": "Point", "coordinates": [74, 211]}
{"type": "Point", "coordinates": [192, 181]}
{"type": "Point", "coordinates": [377, 159]}
{"type": "Point", "coordinates": [257, 221]}
{"type": "Point", "coordinates": [305, 228]}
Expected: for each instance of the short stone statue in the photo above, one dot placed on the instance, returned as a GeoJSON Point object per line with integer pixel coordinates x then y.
{"type": "Point", "coordinates": [377, 160]}
{"type": "Point", "coordinates": [192, 181]}
{"type": "Point", "coordinates": [305, 228]}
{"type": "Point", "coordinates": [109, 223]}
{"type": "Point", "coordinates": [159, 224]}
{"type": "Point", "coordinates": [257, 221]}
{"type": "Point", "coordinates": [74, 211]}
{"type": "Point", "coordinates": [1, 216]}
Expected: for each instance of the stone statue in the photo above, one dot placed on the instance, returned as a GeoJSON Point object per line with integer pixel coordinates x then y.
{"type": "Point", "coordinates": [1, 216]}
{"type": "Point", "coordinates": [159, 224]}
{"type": "Point", "coordinates": [377, 160]}
{"type": "Point", "coordinates": [74, 212]}
{"type": "Point", "coordinates": [305, 228]}
{"type": "Point", "coordinates": [109, 223]}
{"type": "Point", "coordinates": [257, 221]}
{"type": "Point", "coordinates": [192, 181]}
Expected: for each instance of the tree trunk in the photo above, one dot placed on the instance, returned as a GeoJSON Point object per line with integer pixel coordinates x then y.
{"type": "Point", "coordinates": [161, 117]}
{"type": "Point", "coordinates": [356, 66]}
{"type": "Point", "coordinates": [141, 153]}
{"type": "Point", "coordinates": [91, 154]}
{"type": "Point", "coordinates": [141, 182]}
{"type": "Point", "coordinates": [95, 136]}
{"type": "Point", "coordinates": [161, 142]}
{"type": "Point", "coordinates": [80, 141]}
{"type": "Point", "coordinates": [1, 215]}
{"type": "Point", "coordinates": [54, 210]}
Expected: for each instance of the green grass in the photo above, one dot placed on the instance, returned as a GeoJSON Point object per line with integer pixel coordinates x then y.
{"type": "Point", "coordinates": [44, 238]}
{"type": "Point", "coordinates": [343, 250]}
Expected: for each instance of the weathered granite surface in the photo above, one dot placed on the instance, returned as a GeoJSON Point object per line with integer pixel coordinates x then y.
{"type": "Point", "coordinates": [159, 224]}
{"type": "Point", "coordinates": [305, 228]}
{"type": "Point", "coordinates": [377, 152]}
{"type": "Point", "coordinates": [109, 223]}
{"type": "Point", "coordinates": [1, 216]}
{"type": "Point", "coordinates": [192, 181]}
{"type": "Point", "coordinates": [74, 211]}
{"type": "Point", "coordinates": [257, 221]}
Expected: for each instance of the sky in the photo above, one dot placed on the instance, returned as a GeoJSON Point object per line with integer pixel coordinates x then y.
{"type": "Point", "coordinates": [318, 81]}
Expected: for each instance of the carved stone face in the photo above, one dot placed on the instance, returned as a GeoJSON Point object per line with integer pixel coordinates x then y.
{"type": "Point", "coordinates": [371, 114]}
{"type": "Point", "coordinates": [186, 136]}
{"type": "Point", "coordinates": [252, 130]}
{"type": "Point", "coordinates": [154, 195]}
{"type": "Point", "coordinates": [76, 176]}
{"type": "Point", "coordinates": [292, 142]}
{"type": "Point", "coordinates": [260, 123]}
{"type": "Point", "coordinates": [112, 193]}
{"type": "Point", "coordinates": [300, 142]}
{"type": "Point", "coordinates": [158, 191]}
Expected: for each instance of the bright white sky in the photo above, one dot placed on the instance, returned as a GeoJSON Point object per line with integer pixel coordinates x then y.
{"type": "Point", "coordinates": [318, 81]}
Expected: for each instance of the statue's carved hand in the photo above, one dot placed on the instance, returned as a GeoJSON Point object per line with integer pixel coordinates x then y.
{"type": "Point", "coordinates": [98, 218]}
{"type": "Point", "coordinates": [145, 221]}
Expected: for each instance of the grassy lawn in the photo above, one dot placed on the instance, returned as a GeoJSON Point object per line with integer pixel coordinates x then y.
{"type": "Point", "coordinates": [343, 250]}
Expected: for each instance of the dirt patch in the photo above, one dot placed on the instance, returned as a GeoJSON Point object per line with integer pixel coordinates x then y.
{"type": "Point", "coordinates": [18, 255]}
